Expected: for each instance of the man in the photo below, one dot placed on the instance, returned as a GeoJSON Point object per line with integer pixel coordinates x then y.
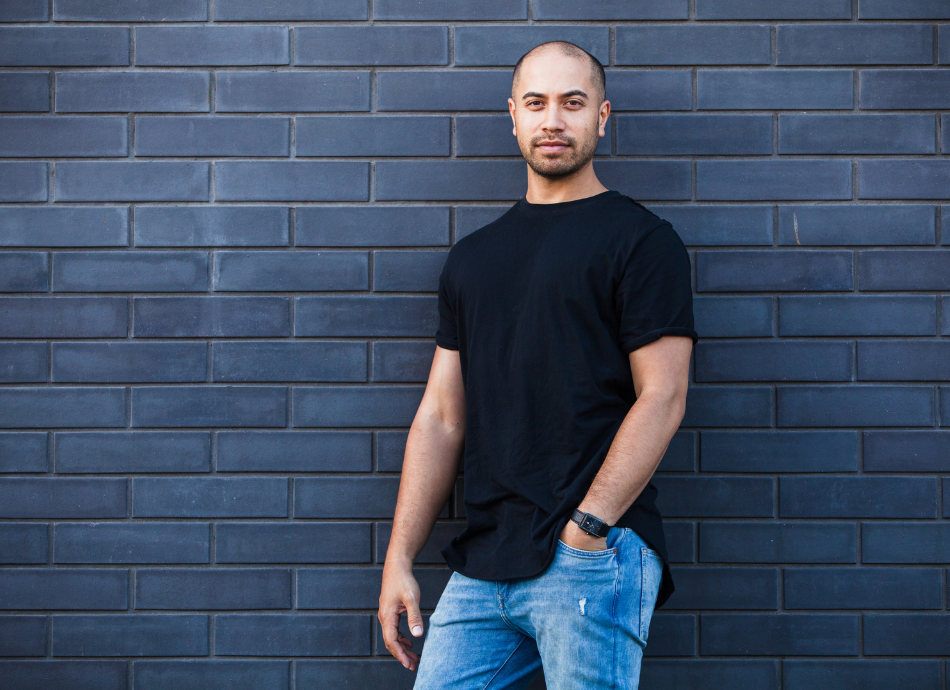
{"type": "Point", "coordinates": [553, 321]}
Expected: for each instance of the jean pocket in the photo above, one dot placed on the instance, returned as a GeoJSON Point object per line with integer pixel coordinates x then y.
{"type": "Point", "coordinates": [580, 553]}
{"type": "Point", "coordinates": [651, 574]}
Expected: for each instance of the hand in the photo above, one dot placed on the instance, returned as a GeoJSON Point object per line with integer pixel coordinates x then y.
{"type": "Point", "coordinates": [400, 592]}
{"type": "Point", "coordinates": [575, 537]}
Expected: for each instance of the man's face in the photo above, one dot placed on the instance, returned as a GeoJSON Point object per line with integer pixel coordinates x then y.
{"type": "Point", "coordinates": [557, 115]}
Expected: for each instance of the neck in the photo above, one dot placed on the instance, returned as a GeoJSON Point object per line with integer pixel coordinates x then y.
{"type": "Point", "coordinates": [577, 185]}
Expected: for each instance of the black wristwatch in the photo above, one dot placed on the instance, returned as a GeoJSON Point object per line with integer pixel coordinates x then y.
{"type": "Point", "coordinates": [590, 524]}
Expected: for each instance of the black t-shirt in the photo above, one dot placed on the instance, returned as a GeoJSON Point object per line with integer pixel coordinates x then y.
{"type": "Point", "coordinates": [544, 305]}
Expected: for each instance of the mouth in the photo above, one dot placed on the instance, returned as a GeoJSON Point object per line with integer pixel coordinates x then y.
{"type": "Point", "coordinates": [552, 146]}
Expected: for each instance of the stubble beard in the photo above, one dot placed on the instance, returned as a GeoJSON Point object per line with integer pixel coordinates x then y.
{"type": "Point", "coordinates": [567, 163]}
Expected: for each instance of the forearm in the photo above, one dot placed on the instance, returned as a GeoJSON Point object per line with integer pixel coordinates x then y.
{"type": "Point", "coordinates": [429, 470]}
{"type": "Point", "coordinates": [634, 455]}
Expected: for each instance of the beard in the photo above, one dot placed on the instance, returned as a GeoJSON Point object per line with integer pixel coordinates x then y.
{"type": "Point", "coordinates": [566, 163]}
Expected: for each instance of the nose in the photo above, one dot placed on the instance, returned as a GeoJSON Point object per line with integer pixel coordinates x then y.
{"type": "Point", "coordinates": [553, 122]}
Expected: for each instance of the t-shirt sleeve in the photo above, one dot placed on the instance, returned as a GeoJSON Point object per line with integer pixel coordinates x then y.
{"type": "Point", "coordinates": [655, 297]}
{"type": "Point", "coordinates": [447, 334]}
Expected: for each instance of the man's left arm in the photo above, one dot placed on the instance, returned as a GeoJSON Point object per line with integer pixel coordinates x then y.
{"type": "Point", "coordinates": [661, 378]}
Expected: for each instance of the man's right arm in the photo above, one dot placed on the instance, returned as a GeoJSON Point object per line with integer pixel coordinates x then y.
{"type": "Point", "coordinates": [429, 470]}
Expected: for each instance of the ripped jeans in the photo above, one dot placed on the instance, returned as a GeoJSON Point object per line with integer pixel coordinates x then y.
{"type": "Point", "coordinates": [585, 619]}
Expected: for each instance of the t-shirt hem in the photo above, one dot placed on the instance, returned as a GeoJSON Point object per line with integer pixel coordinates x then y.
{"type": "Point", "coordinates": [446, 343]}
{"type": "Point", "coordinates": [647, 338]}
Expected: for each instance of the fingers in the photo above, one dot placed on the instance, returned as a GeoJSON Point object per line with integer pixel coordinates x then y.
{"type": "Point", "coordinates": [414, 617]}
{"type": "Point", "coordinates": [396, 643]}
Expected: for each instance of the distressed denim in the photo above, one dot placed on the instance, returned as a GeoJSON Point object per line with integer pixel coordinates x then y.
{"type": "Point", "coordinates": [585, 620]}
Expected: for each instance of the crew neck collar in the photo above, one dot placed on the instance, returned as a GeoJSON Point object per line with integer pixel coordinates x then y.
{"type": "Point", "coordinates": [526, 207]}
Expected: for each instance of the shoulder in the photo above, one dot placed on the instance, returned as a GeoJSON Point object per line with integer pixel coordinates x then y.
{"type": "Point", "coordinates": [636, 223]}
{"type": "Point", "coordinates": [479, 240]}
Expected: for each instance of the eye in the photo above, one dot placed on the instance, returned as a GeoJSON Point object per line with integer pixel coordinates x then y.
{"type": "Point", "coordinates": [574, 101]}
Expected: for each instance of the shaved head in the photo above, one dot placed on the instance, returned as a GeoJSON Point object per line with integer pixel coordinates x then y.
{"type": "Point", "coordinates": [568, 49]}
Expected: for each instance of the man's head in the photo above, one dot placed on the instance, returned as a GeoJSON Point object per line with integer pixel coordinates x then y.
{"type": "Point", "coordinates": [558, 107]}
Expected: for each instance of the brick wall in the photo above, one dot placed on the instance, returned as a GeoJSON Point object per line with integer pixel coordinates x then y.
{"type": "Point", "coordinates": [221, 231]}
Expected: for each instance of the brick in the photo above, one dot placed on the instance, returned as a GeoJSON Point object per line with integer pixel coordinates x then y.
{"type": "Point", "coordinates": [751, 634]}
{"type": "Point", "coordinates": [298, 635]}
{"type": "Point", "coordinates": [746, 44]}
{"type": "Point", "coordinates": [119, 92]}
{"type": "Point", "coordinates": [904, 89]}
{"type": "Point", "coordinates": [132, 181]}
{"type": "Point", "coordinates": [724, 588]}
{"type": "Point", "coordinates": [358, 588]}
{"type": "Point", "coordinates": [366, 316]}
{"type": "Point", "coordinates": [680, 537]}
{"type": "Point", "coordinates": [62, 407]}
{"type": "Point", "coordinates": [709, 674]}
{"type": "Point", "coordinates": [161, 406]}
{"type": "Point", "coordinates": [43, 136]}
{"type": "Point", "coordinates": [23, 182]}
{"type": "Point", "coordinates": [889, 360]}
{"type": "Point", "coordinates": [895, 634]}
{"type": "Point", "coordinates": [463, 10]}
{"type": "Point", "coordinates": [904, 9]}
{"type": "Point", "coordinates": [22, 543]}
{"type": "Point", "coordinates": [857, 497]}
{"type": "Point", "coordinates": [468, 219]}
{"type": "Point", "coordinates": [294, 451]}
{"type": "Point", "coordinates": [290, 361]}
{"type": "Point", "coordinates": [290, 10]}
{"type": "Point", "coordinates": [68, 589]}
{"type": "Point", "coordinates": [345, 497]}
{"type": "Point", "coordinates": [390, 448]}
{"type": "Point", "coordinates": [22, 636]}
{"type": "Point", "coordinates": [121, 362]}
{"type": "Point", "coordinates": [212, 45]}
{"type": "Point", "coordinates": [25, 11]}
{"type": "Point", "coordinates": [612, 9]}
{"type": "Point", "coordinates": [24, 91]}
{"type": "Point", "coordinates": [111, 271]}
{"type": "Point", "coordinates": [862, 588]}
{"type": "Point", "coordinates": [728, 406]}
{"type": "Point", "coordinates": [442, 533]}
{"type": "Point", "coordinates": [125, 543]}
{"type": "Point", "coordinates": [776, 90]}
{"type": "Point", "coordinates": [22, 362]}
{"type": "Point", "coordinates": [906, 451]}
{"type": "Point", "coordinates": [407, 271]}
{"type": "Point", "coordinates": [946, 485]}
{"type": "Point", "coordinates": [212, 136]}
{"type": "Point", "coordinates": [365, 226]}
{"type": "Point", "coordinates": [909, 179]}
{"type": "Point", "coordinates": [862, 224]}
{"type": "Point", "coordinates": [211, 317]}
{"type": "Point", "coordinates": [372, 136]}
{"type": "Point", "coordinates": [504, 45]}
{"type": "Point", "coordinates": [857, 315]}
{"type": "Point", "coordinates": [315, 674]}
{"type": "Point", "coordinates": [719, 225]}
{"type": "Point", "coordinates": [680, 454]}
{"type": "Point", "coordinates": [124, 635]}
{"type": "Point", "coordinates": [650, 89]}
{"type": "Point", "coordinates": [773, 179]}
{"type": "Point", "coordinates": [212, 226]}
{"type": "Point", "coordinates": [855, 44]}
{"type": "Point", "coordinates": [774, 361]}
{"type": "Point", "coordinates": [63, 317]}
{"type": "Point", "coordinates": [769, 270]}
{"type": "Point", "coordinates": [449, 180]}
{"type": "Point", "coordinates": [491, 135]}
{"type": "Point", "coordinates": [291, 92]}
{"type": "Point", "coordinates": [214, 674]}
{"type": "Point", "coordinates": [77, 226]}
{"type": "Point", "coordinates": [64, 45]}
{"type": "Point", "coordinates": [860, 675]}
{"type": "Point", "coordinates": [24, 272]}
{"type": "Point", "coordinates": [714, 496]}
{"type": "Point", "coordinates": [371, 45]}
{"type": "Point", "coordinates": [783, 451]}
{"type": "Point", "coordinates": [290, 271]}
{"type": "Point", "coordinates": [133, 451]}
{"type": "Point", "coordinates": [75, 675]}
{"type": "Point", "coordinates": [824, 134]}
{"type": "Point", "coordinates": [773, 9]}
{"type": "Point", "coordinates": [443, 90]}
{"type": "Point", "coordinates": [63, 498]}
{"type": "Point", "coordinates": [671, 634]}
{"type": "Point", "coordinates": [135, 11]}
{"type": "Point", "coordinates": [291, 181]}
{"type": "Point", "coordinates": [349, 406]}
{"type": "Point", "coordinates": [905, 542]}
{"type": "Point", "coordinates": [789, 542]}
{"type": "Point", "coordinates": [404, 362]}
{"type": "Point", "coordinates": [209, 497]}
{"type": "Point", "coordinates": [670, 135]}
{"type": "Point", "coordinates": [642, 179]}
{"type": "Point", "coordinates": [855, 406]}
{"type": "Point", "coordinates": [219, 589]}
{"type": "Point", "coordinates": [334, 542]}
{"type": "Point", "coordinates": [23, 451]}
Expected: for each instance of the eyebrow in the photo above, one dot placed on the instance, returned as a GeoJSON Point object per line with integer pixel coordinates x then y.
{"type": "Point", "coordinates": [573, 92]}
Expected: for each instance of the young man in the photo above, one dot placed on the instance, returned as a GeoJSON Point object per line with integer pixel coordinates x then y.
{"type": "Point", "coordinates": [554, 320]}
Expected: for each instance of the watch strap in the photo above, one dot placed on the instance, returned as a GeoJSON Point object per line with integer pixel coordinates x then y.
{"type": "Point", "coordinates": [590, 524]}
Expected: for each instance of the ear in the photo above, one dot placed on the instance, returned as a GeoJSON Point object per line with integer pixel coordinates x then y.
{"type": "Point", "coordinates": [511, 111]}
{"type": "Point", "coordinates": [604, 114]}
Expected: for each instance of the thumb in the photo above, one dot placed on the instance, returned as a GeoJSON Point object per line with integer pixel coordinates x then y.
{"type": "Point", "coordinates": [414, 618]}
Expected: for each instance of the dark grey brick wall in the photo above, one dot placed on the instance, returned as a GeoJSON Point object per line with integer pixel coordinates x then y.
{"type": "Point", "coordinates": [221, 229]}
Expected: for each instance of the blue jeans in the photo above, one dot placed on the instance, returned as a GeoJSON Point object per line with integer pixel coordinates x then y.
{"type": "Point", "coordinates": [585, 619]}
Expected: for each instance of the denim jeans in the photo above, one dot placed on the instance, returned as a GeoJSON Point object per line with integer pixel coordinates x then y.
{"type": "Point", "coordinates": [585, 619]}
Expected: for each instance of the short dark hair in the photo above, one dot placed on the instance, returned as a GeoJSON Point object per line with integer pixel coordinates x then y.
{"type": "Point", "coordinates": [568, 48]}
